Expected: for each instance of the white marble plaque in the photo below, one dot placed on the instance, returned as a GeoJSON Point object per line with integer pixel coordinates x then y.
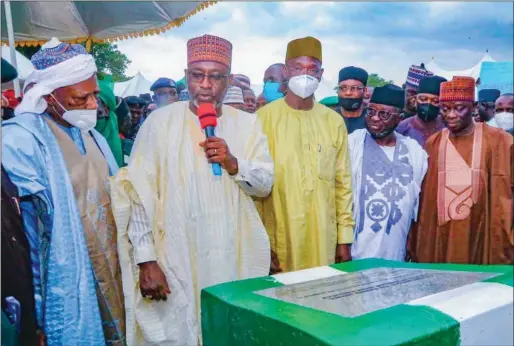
{"type": "Point", "coordinates": [361, 292]}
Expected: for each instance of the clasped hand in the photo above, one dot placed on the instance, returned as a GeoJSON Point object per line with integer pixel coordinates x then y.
{"type": "Point", "coordinates": [216, 150]}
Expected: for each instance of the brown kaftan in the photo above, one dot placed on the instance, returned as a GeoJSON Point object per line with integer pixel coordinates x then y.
{"type": "Point", "coordinates": [465, 213]}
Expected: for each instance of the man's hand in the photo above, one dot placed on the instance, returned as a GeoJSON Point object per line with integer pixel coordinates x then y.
{"type": "Point", "coordinates": [5, 102]}
{"type": "Point", "coordinates": [343, 253]}
{"type": "Point", "coordinates": [275, 264]}
{"type": "Point", "coordinates": [216, 150]}
{"type": "Point", "coordinates": [152, 281]}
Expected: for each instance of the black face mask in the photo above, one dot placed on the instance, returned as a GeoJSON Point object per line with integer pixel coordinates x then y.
{"type": "Point", "coordinates": [382, 134]}
{"type": "Point", "coordinates": [350, 104]}
{"type": "Point", "coordinates": [427, 112]}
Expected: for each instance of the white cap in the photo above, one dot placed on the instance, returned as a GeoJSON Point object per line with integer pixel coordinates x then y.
{"type": "Point", "coordinates": [234, 95]}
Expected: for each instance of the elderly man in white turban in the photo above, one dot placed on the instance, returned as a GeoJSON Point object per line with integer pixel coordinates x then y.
{"type": "Point", "coordinates": [61, 167]}
{"type": "Point", "coordinates": [182, 228]}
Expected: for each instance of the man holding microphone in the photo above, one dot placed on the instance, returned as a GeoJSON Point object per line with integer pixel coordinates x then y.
{"type": "Point", "coordinates": [181, 227]}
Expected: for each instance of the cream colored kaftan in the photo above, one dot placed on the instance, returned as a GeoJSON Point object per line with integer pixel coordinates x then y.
{"type": "Point", "coordinates": [205, 229]}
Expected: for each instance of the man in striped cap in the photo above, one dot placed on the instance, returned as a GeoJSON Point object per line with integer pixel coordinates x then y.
{"type": "Point", "coordinates": [466, 204]}
{"type": "Point", "coordinates": [414, 76]}
{"type": "Point", "coordinates": [234, 98]}
{"type": "Point", "coordinates": [184, 227]}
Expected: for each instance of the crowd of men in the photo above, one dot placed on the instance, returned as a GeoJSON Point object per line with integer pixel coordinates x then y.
{"type": "Point", "coordinates": [113, 221]}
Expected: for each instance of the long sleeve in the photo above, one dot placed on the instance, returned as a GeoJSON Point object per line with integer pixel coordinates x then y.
{"type": "Point", "coordinates": [256, 170]}
{"type": "Point", "coordinates": [24, 164]}
{"type": "Point", "coordinates": [36, 224]}
{"type": "Point", "coordinates": [140, 235]}
{"type": "Point", "coordinates": [344, 196]}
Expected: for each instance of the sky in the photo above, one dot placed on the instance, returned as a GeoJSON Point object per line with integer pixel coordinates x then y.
{"type": "Point", "coordinates": [383, 38]}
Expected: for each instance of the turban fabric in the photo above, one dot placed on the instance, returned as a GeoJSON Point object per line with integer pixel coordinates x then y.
{"type": "Point", "coordinates": [57, 65]}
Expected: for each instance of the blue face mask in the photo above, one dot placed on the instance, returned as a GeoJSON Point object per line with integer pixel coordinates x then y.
{"type": "Point", "coordinates": [271, 92]}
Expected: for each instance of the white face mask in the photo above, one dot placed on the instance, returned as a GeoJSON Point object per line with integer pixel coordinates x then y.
{"type": "Point", "coordinates": [84, 119]}
{"type": "Point", "coordinates": [303, 86]}
{"type": "Point", "coordinates": [504, 120]}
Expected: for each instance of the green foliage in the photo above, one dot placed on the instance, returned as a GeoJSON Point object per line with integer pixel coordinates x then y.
{"type": "Point", "coordinates": [109, 60]}
{"type": "Point", "coordinates": [374, 80]}
{"type": "Point", "coordinates": [28, 52]}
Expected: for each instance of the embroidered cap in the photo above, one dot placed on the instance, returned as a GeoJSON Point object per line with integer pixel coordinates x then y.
{"type": "Point", "coordinates": [54, 52]}
{"type": "Point", "coordinates": [234, 95]}
{"type": "Point", "coordinates": [417, 73]}
{"type": "Point", "coordinates": [209, 48]}
{"type": "Point", "coordinates": [458, 89]}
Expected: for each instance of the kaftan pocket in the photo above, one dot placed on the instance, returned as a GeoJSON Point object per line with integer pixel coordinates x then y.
{"type": "Point", "coordinates": [326, 161]}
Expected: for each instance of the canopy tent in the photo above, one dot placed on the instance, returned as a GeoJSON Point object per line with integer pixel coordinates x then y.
{"type": "Point", "coordinates": [32, 23]}
{"type": "Point", "coordinates": [473, 71]}
{"type": "Point", "coordinates": [133, 87]}
{"type": "Point", "coordinates": [24, 68]}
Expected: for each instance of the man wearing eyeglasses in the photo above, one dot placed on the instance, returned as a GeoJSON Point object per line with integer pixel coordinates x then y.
{"type": "Point", "coordinates": [387, 171]}
{"type": "Point", "coordinates": [184, 227]}
{"type": "Point", "coordinates": [308, 216]}
{"type": "Point", "coordinates": [351, 92]}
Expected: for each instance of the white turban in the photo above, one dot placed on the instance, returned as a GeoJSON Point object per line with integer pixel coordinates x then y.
{"type": "Point", "coordinates": [72, 71]}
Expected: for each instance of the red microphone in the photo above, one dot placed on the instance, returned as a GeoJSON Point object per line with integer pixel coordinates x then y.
{"type": "Point", "coordinates": [208, 120]}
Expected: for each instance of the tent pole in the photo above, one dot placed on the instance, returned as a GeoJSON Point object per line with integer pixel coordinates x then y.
{"type": "Point", "coordinates": [10, 33]}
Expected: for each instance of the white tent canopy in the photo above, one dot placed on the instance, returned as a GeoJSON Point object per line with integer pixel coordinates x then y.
{"type": "Point", "coordinates": [473, 71]}
{"type": "Point", "coordinates": [133, 87]}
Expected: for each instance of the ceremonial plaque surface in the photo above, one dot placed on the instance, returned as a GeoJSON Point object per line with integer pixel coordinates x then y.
{"type": "Point", "coordinates": [361, 292]}
{"type": "Point", "coordinates": [365, 302]}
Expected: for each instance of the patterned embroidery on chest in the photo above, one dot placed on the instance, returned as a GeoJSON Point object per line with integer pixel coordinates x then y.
{"type": "Point", "coordinates": [384, 185]}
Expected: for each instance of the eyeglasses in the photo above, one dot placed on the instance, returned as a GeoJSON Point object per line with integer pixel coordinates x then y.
{"type": "Point", "coordinates": [166, 93]}
{"type": "Point", "coordinates": [198, 77]}
{"type": "Point", "coordinates": [298, 70]}
{"type": "Point", "coordinates": [345, 88]}
{"type": "Point", "coordinates": [383, 115]}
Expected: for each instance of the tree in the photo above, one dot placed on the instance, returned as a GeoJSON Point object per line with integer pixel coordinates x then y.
{"type": "Point", "coordinates": [109, 60]}
{"type": "Point", "coordinates": [374, 80]}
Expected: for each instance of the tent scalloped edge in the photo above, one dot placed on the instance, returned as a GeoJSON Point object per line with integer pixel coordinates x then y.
{"type": "Point", "coordinates": [174, 23]}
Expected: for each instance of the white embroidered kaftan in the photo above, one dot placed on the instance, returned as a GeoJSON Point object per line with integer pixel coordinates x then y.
{"type": "Point", "coordinates": [386, 182]}
{"type": "Point", "coordinates": [205, 230]}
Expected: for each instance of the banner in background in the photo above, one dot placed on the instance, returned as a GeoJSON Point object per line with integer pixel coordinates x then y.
{"type": "Point", "coordinates": [497, 75]}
